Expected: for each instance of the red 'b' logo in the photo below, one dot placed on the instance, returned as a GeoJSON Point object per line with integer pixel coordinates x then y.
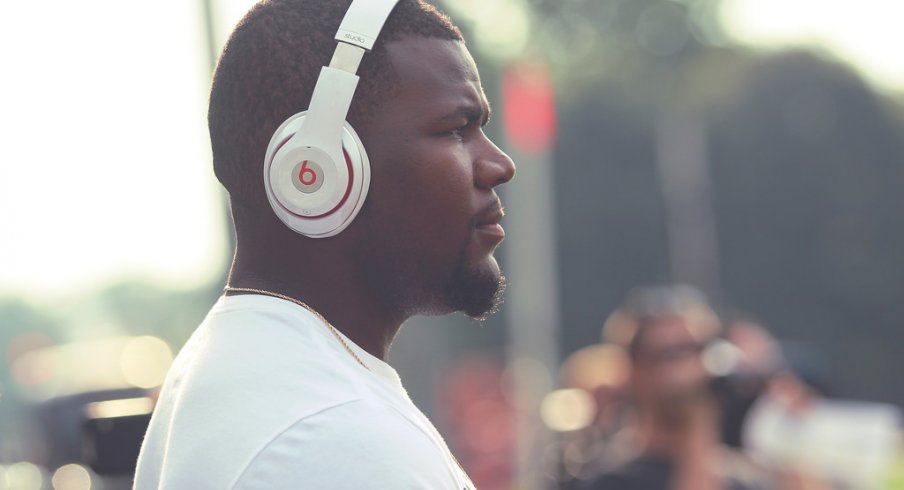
{"type": "Point", "coordinates": [307, 176]}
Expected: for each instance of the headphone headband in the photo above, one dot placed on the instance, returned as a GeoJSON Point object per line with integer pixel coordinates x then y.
{"type": "Point", "coordinates": [363, 22]}
{"type": "Point", "coordinates": [336, 85]}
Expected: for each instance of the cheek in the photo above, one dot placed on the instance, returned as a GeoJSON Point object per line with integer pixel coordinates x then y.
{"type": "Point", "coordinates": [440, 212]}
{"type": "Point", "coordinates": [425, 208]}
{"type": "Point", "coordinates": [432, 194]}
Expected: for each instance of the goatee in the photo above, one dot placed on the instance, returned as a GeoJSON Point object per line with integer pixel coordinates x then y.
{"type": "Point", "coordinates": [477, 294]}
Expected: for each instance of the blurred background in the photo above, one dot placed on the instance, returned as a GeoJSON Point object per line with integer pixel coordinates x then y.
{"type": "Point", "coordinates": [752, 149]}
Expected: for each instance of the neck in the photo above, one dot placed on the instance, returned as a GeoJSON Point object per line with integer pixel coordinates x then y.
{"type": "Point", "coordinates": [688, 437]}
{"type": "Point", "coordinates": [691, 428]}
{"type": "Point", "coordinates": [333, 291]}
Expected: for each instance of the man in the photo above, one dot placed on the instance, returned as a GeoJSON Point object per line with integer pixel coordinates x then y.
{"type": "Point", "coordinates": [677, 414]}
{"type": "Point", "coordinates": [284, 384]}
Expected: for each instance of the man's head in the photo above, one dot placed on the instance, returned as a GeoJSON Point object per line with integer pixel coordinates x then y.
{"type": "Point", "coordinates": [667, 360]}
{"type": "Point", "coordinates": [424, 239]}
{"type": "Point", "coordinates": [270, 65]}
{"type": "Point", "coordinates": [673, 327]}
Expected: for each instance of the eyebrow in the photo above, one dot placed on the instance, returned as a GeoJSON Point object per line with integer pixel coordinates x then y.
{"type": "Point", "coordinates": [473, 113]}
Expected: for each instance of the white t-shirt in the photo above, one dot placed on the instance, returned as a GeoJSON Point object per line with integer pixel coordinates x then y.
{"type": "Point", "coordinates": [263, 396]}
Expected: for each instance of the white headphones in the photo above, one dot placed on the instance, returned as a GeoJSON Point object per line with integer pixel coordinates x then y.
{"type": "Point", "coordinates": [316, 170]}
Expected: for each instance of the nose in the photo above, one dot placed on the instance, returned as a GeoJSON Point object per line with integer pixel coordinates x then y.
{"type": "Point", "coordinates": [493, 167]}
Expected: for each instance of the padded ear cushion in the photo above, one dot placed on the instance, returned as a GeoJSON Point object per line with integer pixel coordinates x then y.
{"type": "Point", "coordinates": [315, 200]}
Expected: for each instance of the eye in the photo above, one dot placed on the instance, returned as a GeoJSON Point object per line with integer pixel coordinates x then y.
{"type": "Point", "coordinates": [459, 129]}
{"type": "Point", "coordinates": [458, 133]}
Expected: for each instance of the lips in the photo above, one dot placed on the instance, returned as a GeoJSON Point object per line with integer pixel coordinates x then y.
{"type": "Point", "coordinates": [492, 229]}
{"type": "Point", "coordinates": [487, 223]}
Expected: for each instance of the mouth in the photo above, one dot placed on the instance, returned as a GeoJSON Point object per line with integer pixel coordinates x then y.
{"type": "Point", "coordinates": [487, 224]}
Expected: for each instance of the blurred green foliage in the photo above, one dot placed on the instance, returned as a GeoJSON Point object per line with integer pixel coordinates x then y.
{"type": "Point", "coordinates": [896, 476]}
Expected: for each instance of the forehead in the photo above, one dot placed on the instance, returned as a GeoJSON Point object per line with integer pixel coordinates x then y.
{"type": "Point", "coordinates": [432, 72]}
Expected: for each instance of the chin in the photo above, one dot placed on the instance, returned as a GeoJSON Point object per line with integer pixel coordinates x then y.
{"type": "Point", "coordinates": [476, 290]}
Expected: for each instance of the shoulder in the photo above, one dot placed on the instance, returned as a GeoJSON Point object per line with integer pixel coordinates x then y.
{"type": "Point", "coordinates": [251, 366]}
{"type": "Point", "coordinates": [360, 444]}
{"type": "Point", "coordinates": [253, 350]}
{"type": "Point", "coordinates": [245, 377]}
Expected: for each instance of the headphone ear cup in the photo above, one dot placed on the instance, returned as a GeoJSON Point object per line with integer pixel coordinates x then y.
{"type": "Point", "coordinates": [308, 191]}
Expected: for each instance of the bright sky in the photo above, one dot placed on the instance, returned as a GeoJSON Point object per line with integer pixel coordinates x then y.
{"type": "Point", "coordinates": [865, 33]}
{"type": "Point", "coordinates": [104, 159]}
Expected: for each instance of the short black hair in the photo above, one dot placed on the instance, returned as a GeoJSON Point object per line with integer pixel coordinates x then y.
{"type": "Point", "coordinates": [270, 65]}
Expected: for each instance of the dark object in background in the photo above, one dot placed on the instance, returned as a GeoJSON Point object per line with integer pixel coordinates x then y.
{"type": "Point", "coordinates": [111, 444]}
{"type": "Point", "coordinates": [61, 421]}
{"type": "Point", "coordinates": [736, 394]}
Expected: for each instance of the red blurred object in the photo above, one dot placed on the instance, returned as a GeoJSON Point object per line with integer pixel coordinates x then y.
{"type": "Point", "coordinates": [529, 110]}
{"type": "Point", "coordinates": [473, 407]}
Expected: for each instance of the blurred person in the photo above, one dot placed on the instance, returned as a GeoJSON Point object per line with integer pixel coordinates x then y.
{"type": "Point", "coordinates": [284, 384]}
{"type": "Point", "coordinates": [677, 413]}
{"type": "Point", "coordinates": [601, 371]}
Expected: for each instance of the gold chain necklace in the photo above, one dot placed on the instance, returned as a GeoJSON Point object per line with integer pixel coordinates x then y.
{"type": "Point", "coordinates": [335, 332]}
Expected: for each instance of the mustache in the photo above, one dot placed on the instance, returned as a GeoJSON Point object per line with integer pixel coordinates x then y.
{"type": "Point", "coordinates": [491, 213]}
